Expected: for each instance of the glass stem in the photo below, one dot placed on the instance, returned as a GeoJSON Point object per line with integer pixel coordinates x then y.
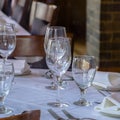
{"type": "Point", "coordinates": [82, 92]}
{"type": "Point", "coordinates": [2, 107]}
{"type": "Point", "coordinates": [59, 83]}
{"type": "Point", "coordinates": [4, 59]}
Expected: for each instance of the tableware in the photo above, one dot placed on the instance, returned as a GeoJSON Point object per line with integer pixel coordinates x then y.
{"type": "Point", "coordinates": [6, 80]}
{"type": "Point", "coordinates": [109, 112]}
{"type": "Point", "coordinates": [58, 59]}
{"type": "Point", "coordinates": [110, 105]}
{"type": "Point", "coordinates": [55, 115]}
{"type": "Point", "coordinates": [110, 83]}
{"type": "Point", "coordinates": [71, 117]}
{"type": "Point", "coordinates": [7, 40]}
{"type": "Point", "coordinates": [53, 32]}
{"type": "Point", "coordinates": [104, 93]}
{"type": "Point", "coordinates": [83, 70]}
{"type": "Point", "coordinates": [21, 67]}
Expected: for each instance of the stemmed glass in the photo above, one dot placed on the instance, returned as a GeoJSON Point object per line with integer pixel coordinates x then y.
{"type": "Point", "coordinates": [83, 70]}
{"type": "Point", "coordinates": [6, 80]}
{"type": "Point", "coordinates": [7, 40]}
{"type": "Point", "coordinates": [53, 32]}
{"type": "Point", "coordinates": [58, 59]}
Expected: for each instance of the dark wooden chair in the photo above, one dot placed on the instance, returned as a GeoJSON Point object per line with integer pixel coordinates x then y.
{"type": "Point", "coordinates": [20, 13]}
{"type": "Point", "coordinates": [41, 16]}
{"type": "Point", "coordinates": [2, 2]}
{"type": "Point", "coordinates": [29, 46]}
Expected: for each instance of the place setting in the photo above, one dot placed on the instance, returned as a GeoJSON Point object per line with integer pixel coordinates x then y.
{"type": "Point", "coordinates": [59, 59]}
{"type": "Point", "coordinates": [109, 88]}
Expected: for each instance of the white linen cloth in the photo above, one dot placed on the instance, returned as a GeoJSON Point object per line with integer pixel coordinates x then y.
{"type": "Point", "coordinates": [111, 82]}
{"type": "Point", "coordinates": [110, 105]}
{"type": "Point", "coordinates": [29, 93]}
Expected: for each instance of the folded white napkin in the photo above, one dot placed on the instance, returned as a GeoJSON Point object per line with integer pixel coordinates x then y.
{"type": "Point", "coordinates": [21, 67]}
{"type": "Point", "coordinates": [109, 81]}
{"type": "Point", "coordinates": [110, 105]}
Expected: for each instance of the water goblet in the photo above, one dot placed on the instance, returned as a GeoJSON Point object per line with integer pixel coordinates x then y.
{"type": "Point", "coordinates": [83, 70]}
{"type": "Point", "coordinates": [7, 40]}
{"type": "Point", "coordinates": [6, 80]}
{"type": "Point", "coordinates": [53, 32]}
{"type": "Point", "coordinates": [58, 59]}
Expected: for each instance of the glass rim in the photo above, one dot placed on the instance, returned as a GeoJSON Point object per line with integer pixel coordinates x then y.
{"type": "Point", "coordinates": [55, 27]}
{"type": "Point", "coordinates": [6, 62]}
{"type": "Point", "coordinates": [83, 55]}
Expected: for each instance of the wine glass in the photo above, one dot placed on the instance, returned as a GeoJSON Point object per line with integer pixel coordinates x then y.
{"type": "Point", "coordinates": [53, 32]}
{"type": "Point", "coordinates": [6, 80]}
{"type": "Point", "coordinates": [83, 70]}
{"type": "Point", "coordinates": [7, 40]}
{"type": "Point", "coordinates": [58, 59]}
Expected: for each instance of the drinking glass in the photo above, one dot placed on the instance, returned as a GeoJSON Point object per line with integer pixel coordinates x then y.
{"type": "Point", "coordinates": [7, 40]}
{"type": "Point", "coordinates": [6, 80]}
{"type": "Point", "coordinates": [53, 32]}
{"type": "Point", "coordinates": [58, 59]}
{"type": "Point", "coordinates": [83, 70]}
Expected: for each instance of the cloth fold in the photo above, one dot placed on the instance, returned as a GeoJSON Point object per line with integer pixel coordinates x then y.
{"type": "Point", "coordinates": [110, 105]}
{"type": "Point", "coordinates": [111, 82]}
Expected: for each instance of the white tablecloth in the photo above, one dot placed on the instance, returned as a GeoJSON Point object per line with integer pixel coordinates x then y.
{"type": "Point", "coordinates": [29, 92]}
{"type": "Point", "coordinates": [19, 29]}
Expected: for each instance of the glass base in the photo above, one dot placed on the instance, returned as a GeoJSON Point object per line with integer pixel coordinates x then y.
{"type": "Point", "coordinates": [58, 104]}
{"type": "Point", "coordinates": [5, 110]}
{"type": "Point", "coordinates": [82, 102]}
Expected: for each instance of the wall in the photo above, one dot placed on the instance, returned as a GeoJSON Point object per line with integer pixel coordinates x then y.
{"type": "Point", "coordinates": [72, 14]}
{"type": "Point", "coordinates": [103, 32]}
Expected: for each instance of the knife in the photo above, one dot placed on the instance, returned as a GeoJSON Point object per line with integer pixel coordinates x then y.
{"type": "Point", "coordinates": [55, 115]}
{"type": "Point", "coordinates": [103, 92]}
{"type": "Point", "coordinates": [69, 115]}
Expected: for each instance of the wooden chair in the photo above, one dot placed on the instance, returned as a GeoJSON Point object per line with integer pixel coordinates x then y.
{"type": "Point", "coordinates": [29, 46]}
{"type": "Point", "coordinates": [41, 16]}
{"type": "Point", "coordinates": [2, 2]}
{"type": "Point", "coordinates": [20, 12]}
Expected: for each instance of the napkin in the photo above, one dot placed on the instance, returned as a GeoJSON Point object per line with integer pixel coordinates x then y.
{"type": "Point", "coordinates": [21, 67]}
{"type": "Point", "coordinates": [111, 82]}
{"type": "Point", "coordinates": [110, 105]}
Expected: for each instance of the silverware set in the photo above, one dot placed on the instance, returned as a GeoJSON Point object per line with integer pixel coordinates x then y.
{"type": "Point", "coordinates": [104, 92]}
{"type": "Point", "coordinates": [68, 115]}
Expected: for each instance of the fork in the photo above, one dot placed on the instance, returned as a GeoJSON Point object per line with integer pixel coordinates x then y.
{"type": "Point", "coordinates": [55, 115]}
{"type": "Point", "coordinates": [71, 117]}
{"type": "Point", "coordinates": [104, 92]}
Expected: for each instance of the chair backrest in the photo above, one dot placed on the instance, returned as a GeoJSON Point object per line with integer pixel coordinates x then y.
{"type": "Point", "coordinates": [20, 12]}
{"type": "Point", "coordinates": [29, 46]}
{"type": "Point", "coordinates": [2, 4]}
{"type": "Point", "coordinates": [40, 17]}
